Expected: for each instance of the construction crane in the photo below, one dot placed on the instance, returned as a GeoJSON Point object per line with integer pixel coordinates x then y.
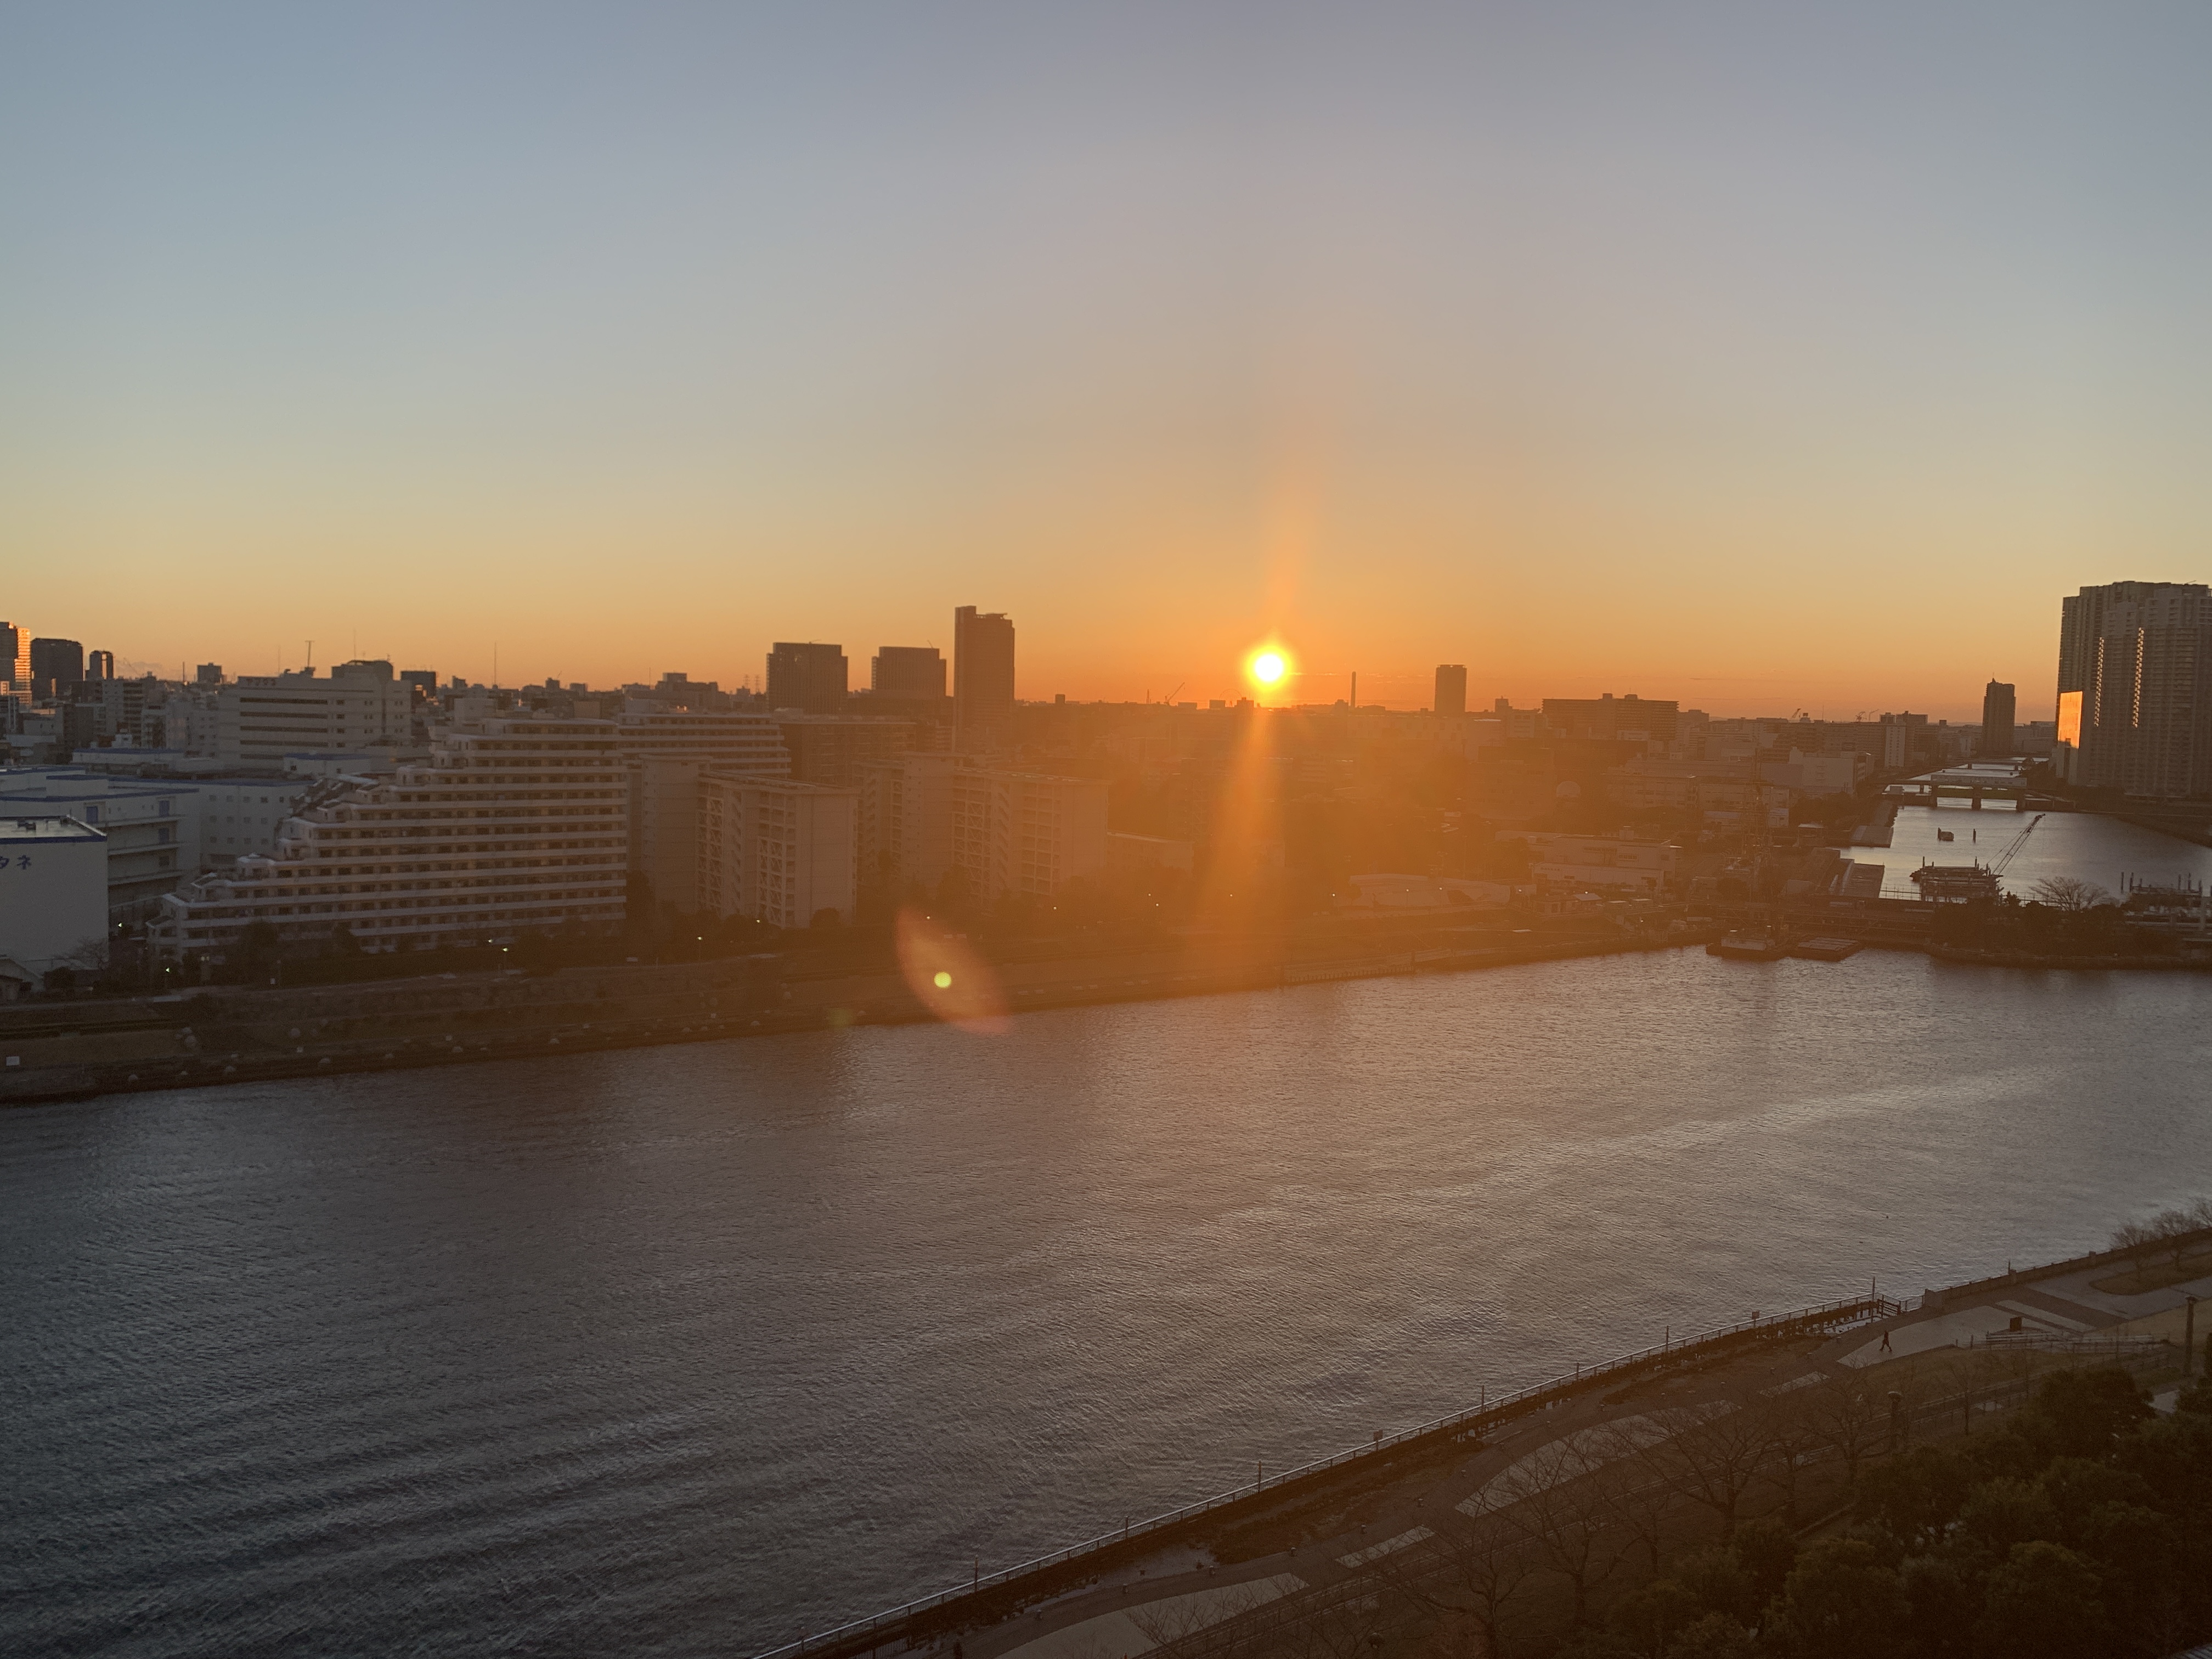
{"type": "Point", "coordinates": [2012, 847]}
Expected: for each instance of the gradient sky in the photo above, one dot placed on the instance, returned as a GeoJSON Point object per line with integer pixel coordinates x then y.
{"type": "Point", "coordinates": [1765, 356]}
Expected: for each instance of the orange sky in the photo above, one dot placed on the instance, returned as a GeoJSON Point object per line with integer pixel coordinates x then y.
{"type": "Point", "coordinates": [1745, 359]}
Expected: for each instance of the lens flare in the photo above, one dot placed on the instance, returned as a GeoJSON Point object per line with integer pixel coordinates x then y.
{"type": "Point", "coordinates": [946, 977]}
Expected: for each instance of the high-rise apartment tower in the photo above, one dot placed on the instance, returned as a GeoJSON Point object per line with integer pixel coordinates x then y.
{"type": "Point", "coordinates": [1997, 707]}
{"type": "Point", "coordinates": [1451, 688]}
{"type": "Point", "coordinates": [983, 678]}
{"type": "Point", "coordinates": [2134, 689]}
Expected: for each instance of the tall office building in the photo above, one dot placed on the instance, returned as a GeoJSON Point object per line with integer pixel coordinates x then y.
{"type": "Point", "coordinates": [57, 662]}
{"type": "Point", "coordinates": [208, 674]}
{"type": "Point", "coordinates": [1997, 704]}
{"type": "Point", "coordinates": [98, 665]}
{"type": "Point", "coordinates": [2134, 689]}
{"type": "Point", "coordinates": [807, 677]}
{"type": "Point", "coordinates": [15, 659]}
{"type": "Point", "coordinates": [1451, 688]}
{"type": "Point", "coordinates": [983, 678]}
{"type": "Point", "coordinates": [907, 671]}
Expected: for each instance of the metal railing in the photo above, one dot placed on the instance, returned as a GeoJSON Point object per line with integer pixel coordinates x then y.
{"type": "Point", "coordinates": [1827, 1315]}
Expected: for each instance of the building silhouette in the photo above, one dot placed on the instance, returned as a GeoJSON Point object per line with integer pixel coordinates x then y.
{"type": "Point", "coordinates": [1451, 688]}
{"type": "Point", "coordinates": [983, 678]}
{"type": "Point", "coordinates": [1997, 709]}
{"type": "Point", "coordinates": [809, 677]}
{"type": "Point", "coordinates": [907, 671]}
{"type": "Point", "coordinates": [98, 665]}
{"type": "Point", "coordinates": [2134, 689]}
{"type": "Point", "coordinates": [1629, 719]}
{"type": "Point", "coordinates": [57, 662]}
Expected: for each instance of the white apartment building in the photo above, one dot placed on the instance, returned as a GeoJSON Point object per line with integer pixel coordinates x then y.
{"type": "Point", "coordinates": [53, 893]}
{"type": "Point", "coordinates": [906, 819]}
{"type": "Point", "coordinates": [515, 824]}
{"type": "Point", "coordinates": [665, 750]}
{"type": "Point", "coordinates": [1026, 832]}
{"type": "Point", "coordinates": [777, 850]}
{"type": "Point", "coordinates": [260, 719]}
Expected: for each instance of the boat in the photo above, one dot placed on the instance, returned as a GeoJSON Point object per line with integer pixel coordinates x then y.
{"type": "Point", "coordinates": [1826, 949]}
{"type": "Point", "coordinates": [1956, 883]}
{"type": "Point", "coordinates": [1748, 944]}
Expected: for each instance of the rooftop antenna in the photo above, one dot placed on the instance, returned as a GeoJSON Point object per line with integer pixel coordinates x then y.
{"type": "Point", "coordinates": [311, 656]}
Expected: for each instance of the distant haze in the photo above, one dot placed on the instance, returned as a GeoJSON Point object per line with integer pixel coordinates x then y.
{"type": "Point", "coordinates": [1761, 357]}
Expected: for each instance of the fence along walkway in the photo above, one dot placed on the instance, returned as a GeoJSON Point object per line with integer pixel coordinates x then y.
{"type": "Point", "coordinates": [1431, 1559]}
{"type": "Point", "coordinates": [1823, 1316]}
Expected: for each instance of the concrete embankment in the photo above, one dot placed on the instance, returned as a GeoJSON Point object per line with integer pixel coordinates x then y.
{"type": "Point", "coordinates": [220, 1034]}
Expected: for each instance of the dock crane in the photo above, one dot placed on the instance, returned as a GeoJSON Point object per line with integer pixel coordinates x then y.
{"type": "Point", "coordinates": [2013, 847]}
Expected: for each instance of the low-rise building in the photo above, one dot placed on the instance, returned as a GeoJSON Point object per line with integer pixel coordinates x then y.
{"type": "Point", "coordinates": [1642, 866]}
{"type": "Point", "coordinates": [1125, 852]}
{"type": "Point", "coordinates": [1416, 896]}
{"type": "Point", "coordinates": [53, 893]}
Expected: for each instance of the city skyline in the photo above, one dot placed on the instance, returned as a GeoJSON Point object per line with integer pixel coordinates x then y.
{"type": "Point", "coordinates": [1746, 356]}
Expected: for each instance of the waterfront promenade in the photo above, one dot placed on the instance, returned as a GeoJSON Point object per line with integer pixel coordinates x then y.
{"type": "Point", "coordinates": [1971, 1350]}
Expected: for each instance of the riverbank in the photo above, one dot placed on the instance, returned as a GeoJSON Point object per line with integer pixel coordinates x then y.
{"type": "Point", "coordinates": [216, 1035]}
{"type": "Point", "coordinates": [76, 1050]}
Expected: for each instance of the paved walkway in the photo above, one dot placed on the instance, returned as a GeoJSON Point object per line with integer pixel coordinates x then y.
{"type": "Point", "coordinates": [1109, 1620]}
{"type": "Point", "coordinates": [1183, 1589]}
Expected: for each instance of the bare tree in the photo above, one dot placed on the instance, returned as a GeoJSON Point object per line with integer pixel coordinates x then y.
{"type": "Point", "coordinates": [1331, 1628]}
{"type": "Point", "coordinates": [1167, 1622]}
{"type": "Point", "coordinates": [2069, 893]}
{"type": "Point", "coordinates": [1638, 1499]}
{"type": "Point", "coordinates": [1550, 1499]}
{"type": "Point", "coordinates": [1793, 1440]}
{"type": "Point", "coordinates": [1473, 1570]}
{"type": "Point", "coordinates": [1710, 1458]}
{"type": "Point", "coordinates": [2170, 1228]}
{"type": "Point", "coordinates": [1851, 1414]}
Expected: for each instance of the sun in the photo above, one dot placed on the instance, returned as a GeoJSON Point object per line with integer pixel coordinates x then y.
{"type": "Point", "coordinates": [1267, 667]}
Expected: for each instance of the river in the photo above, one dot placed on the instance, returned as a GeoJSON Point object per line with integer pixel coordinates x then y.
{"type": "Point", "coordinates": [677, 1351]}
